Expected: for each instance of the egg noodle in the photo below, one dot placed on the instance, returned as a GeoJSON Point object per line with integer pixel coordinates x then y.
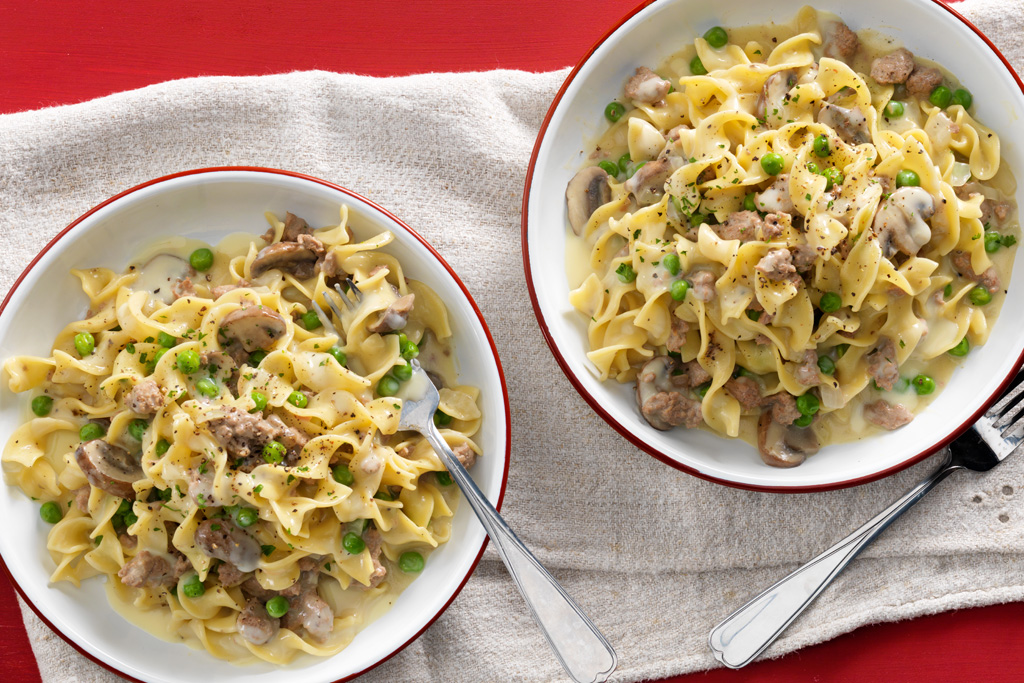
{"type": "Point", "coordinates": [269, 477]}
{"type": "Point", "coordinates": [776, 227]}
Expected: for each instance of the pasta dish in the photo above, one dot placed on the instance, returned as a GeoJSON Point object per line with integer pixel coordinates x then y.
{"type": "Point", "coordinates": [230, 461]}
{"type": "Point", "coordinates": [789, 234]}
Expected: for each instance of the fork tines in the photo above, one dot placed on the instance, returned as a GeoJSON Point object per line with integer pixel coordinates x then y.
{"type": "Point", "coordinates": [1009, 407]}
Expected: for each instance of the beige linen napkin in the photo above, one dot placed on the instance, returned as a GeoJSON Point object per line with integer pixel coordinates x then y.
{"type": "Point", "coordinates": [655, 556]}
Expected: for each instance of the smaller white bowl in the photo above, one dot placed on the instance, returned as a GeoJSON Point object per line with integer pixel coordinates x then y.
{"type": "Point", "coordinates": [648, 36]}
{"type": "Point", "coordinates": [208, 204]}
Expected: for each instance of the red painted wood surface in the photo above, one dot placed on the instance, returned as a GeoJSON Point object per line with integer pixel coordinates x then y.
{"type": "Point", "coordinates": [55, 52]}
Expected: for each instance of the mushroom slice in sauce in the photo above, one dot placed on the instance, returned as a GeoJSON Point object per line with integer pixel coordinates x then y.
{"type": "Point", "coordinates": [109, 468]}
{"type": "Point", "coordinates": [782, 446]}
{"type": "Point", "coordinates": [221, 539]}
{"type": "Point", "coordinates": [159, 276]}
{"type": "Point", "coordinates": [850, 124]}
{"type": "Point", "coordinates": [298, 258]}
{"type": "Point", "coordinates": [255, 327]}
{"type": "Point", "coordinates": [395, 317]}
{"type": "Point", "coordinates": [900, 221]}
{"type": "Point", "coordinates": [587, 190]}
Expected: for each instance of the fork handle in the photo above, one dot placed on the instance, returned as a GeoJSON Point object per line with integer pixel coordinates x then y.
{"type": "Point", "coordinates": [749, 630]}
{"type": "Point", "coordinates": [582, 651]}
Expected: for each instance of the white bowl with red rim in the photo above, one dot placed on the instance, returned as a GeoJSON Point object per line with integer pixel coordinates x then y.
{"type": "Point", "coordinates": [208, 204]}
{"type": "Point", "coordinates": [648, 36]}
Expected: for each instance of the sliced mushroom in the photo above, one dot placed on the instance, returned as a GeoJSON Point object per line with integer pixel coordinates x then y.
{"type": "Point", "coordinates": [109, 468]}
{"type": "Point", "coordinates": [900, 221]}
{"type": "Point", "coordinates": [396, 316]}
{"type": "Point", "coordinates": [255, 327]}
{"type": "Point", "coordinates": [298, 258]}
{"type": "Point", "coordinates": [160, 274]}
{"type": "Point", "coordinates": [850, 124]}
{"type": "Point", "coordinates": [776, 198]}
{"type": "Point", "coordinates": [221, 539]}
{"type": "Point", "coordinates": [782, 446]}
{"type": "Point", "coordinates": [648, 183]}
{"type": "Point", "coordinates": [773, 97]}
{"type": "Point", "coordinates": [587, 191]}
{"type": "Point", "coordinates": [293, 227]}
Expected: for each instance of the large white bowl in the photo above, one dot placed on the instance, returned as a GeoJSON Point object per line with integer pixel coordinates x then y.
{"type": "Point", "coordinates": [647, 37]}
{"type": "Point", "coordinates": [209, 204]}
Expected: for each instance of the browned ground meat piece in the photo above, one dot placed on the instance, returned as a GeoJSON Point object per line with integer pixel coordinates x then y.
{"type": "Point", "coordinates": [923, 81]}
{"type": "Point", "coordinates": [220, 290]}
{"type": "Point", "coordinates": [145, 398]}
{"type": "Point", "coordinates": [251, 588]}
{"type": "Point", "coordinates": [240, 433]}
{"type": "Point", "coordinates": [293, 227]}
{"type": "Point", "coordinates": [962, 264]}
{"type": "Point", "coordinates": [894, 67]}
{"type": "Point", "coordinates": [146, 570]}
{"type": "Point", "coordinates": [229, 575]}
{"type": "Point", "coordinates": [740, 225]}
{"type": "Point", "coordinates": [696, 373]}
{"type": "Point", "coordinates": [646, 86]}
{"type": "Point", "coordinates": [254, 624]}
{"type": "Point", "coordinates": [882, 364]}
{"type": "Point", "coordinates": [840, 42]}
{"type": "Point", "coordinates": [783, 406]}
{"type": "Point", "coordinates": [395, 317]}
{"type": "Point", "coordinates": [292, 439]}
{"type": "Point", "coordinates": [128, 542]}
{"type": "Point", "coordinates": [220, 538]}
{"type": "Point", "coordinates": [762, 340]}
{"type": "Point", "coordinates": [804, 256]}
{"type": "Point", "coordinates": [887, 415]}
{"type": "Point", "coordinates": [183, 288]}
{"type": "Point", "coordinates": [702, 283]}
{"type": "Point", "coordinates": [746, 390]}
{"type": "Point", "coordinates": [373, 544]}
{"type": "Point", "coordinates": [672, 408]}
{"type": "Point", "coordinates": [330, 266]}
{"type": "Point", "coordinates": [773, 227]}
{"type": "Point", "coordinates": [82, 498]}
{"type": "Point", "coordinates": [311, 612]}
{"type": "Point", "coordinates": [677, 335]}
{"type": "Point", "coordinates": [309, 577]}
{"type": "Point", "coordinates": [806, 372]}
{"type": "Point", "coordinates": [466, 455]}
{"type": "Point", "coordinates": [777, 264]}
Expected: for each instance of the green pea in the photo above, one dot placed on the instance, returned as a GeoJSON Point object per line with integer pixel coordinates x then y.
{"type": "Point", "coordinates": [192, 587]}
{"type": "Point", "coordinates": [208, 388]}
{"type": "Point", "coordinates": [832, 177]}
{"type": "Point", "coordinates": [671, 263]}
{"type": "Point", "coordinates": [841, 350]}
{"type": "Point", "coordinates": [256, 357]}
{"type": "Point", "coordinates": [907, 178]}
{"type": "Point", "coordinates": [201, 259]}
{"type": "Point", "coordinates": [830, 302]}
{"type": "Point", "coordinates": [409, 349]}
{"type": "Point", "coordinates": [963, 98]}
{"type": "Point", "coordinates": [443, 478]}
{"type": "Point", "coordinates": [803, 421]}
{"type": "Point", "coordinates": [678, 289]}
{"type": "Point", "coordinates": [625, 272]}
{"type": "Point", "coordinates": [277, 606]}
{"type": "Point", "coordinates": [993, 240]}
{"type": "Point", "coordinates": [716, 37]}
{"type": "Point", "coordinates": [614, 111]}
{"type": "Point", "coordinates": [979, 296]}
{"type": "Point", "coordinates": [923, 385]}
{"type": "Point", "coordinates": [259, 399]}
{"type": "Point", "coordinates": [130, 518]}
{"type": "Point", "coordinates": [634, 169]}
{"type": "Point", "coordinates": [50, 512]}
{"type": "Point", "coordinates": [821, 146]}
{"type": "Point", "coordinates": [807, 404]}
{"type": "Point", "coordinates": [697, 67]}
{"type": "Point", "coordinates": [384, 494]}
{"type": "Point", "coordinates": [947, 291]}
{"type": "Point", "coordinates": [246, 517]}
{"type": "Point", "coordinates": [338, 355]}
{"type": "Point", "coordinates": [298, 399]}
{"type": "Point", "coordinates": [188, 361]}
{"type": "Point", "coordinates": [697, 219]}
{"type": "Point", "coordinates": [162, 446]}
{"type": "Point", "coordinates": [310, 320]}
{"type": "Point", "coordinates": [387, 386]}
{"type": "Point", "coordinates": [84, 344]}
{"type": "Point", "coordinates": [894, 109]}
{"type": "Point", "coordinates": [137, 428]}
{"type": "Point", "coordinates": [166, 340]}
{"type": "Point", "coordinates": [274, 452]}
{"type": "Point", "coordinates": [609, 167]}
{"type": "Point", "coordinates": [941, 96]}
{"type": "Point", "coordinates": [42, 405]}
{"type": "Point", "coordinates": [702, 390]}
{"type": "Point", "coordinates": [343, 475]}
{"type": "Point", "coordinates": [403, 373]}
{"type": "Point", "coordinates": [624, 163]}
{"type": "Point", "coordinates": [748, 202]}
{"type": "Point", "coordinates": [411, 562]}
{"type": "Point", "coordinates": [961, 349]}
{"type": "Point", "coordinates": [813, 168]}
{"type": "Point", "coordinates": [353, 544]}
{"type": "Point", "coordinates": [442, 419]}
{"type": "Point", "coordinates": [772, 163]}
{"type": "Point", "coordinates": [827, 365]}
{"type": "Point", "coordinates": [753, 315]}
{"type": "Point", "coordinates": [151, 365]}
{"type": "Point", "coordinates": [91, 431]}
{"type": "Point", "coordinates": [902, 385]}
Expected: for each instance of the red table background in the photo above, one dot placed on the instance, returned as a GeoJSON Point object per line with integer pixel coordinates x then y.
{"type": "Point", "coordinates": [53, 52]}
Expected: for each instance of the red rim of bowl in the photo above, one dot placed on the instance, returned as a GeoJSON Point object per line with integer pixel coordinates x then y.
{"type": "Point", "coordinates": [619, 427]}
{"type": "Point", "coordinates": [359, 198]}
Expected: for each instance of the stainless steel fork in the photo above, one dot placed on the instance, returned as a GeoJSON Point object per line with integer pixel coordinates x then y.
{"type": "Point", "coordinates": [582, 651]}
{"type": "Point", "coordinates": [749, 630]}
